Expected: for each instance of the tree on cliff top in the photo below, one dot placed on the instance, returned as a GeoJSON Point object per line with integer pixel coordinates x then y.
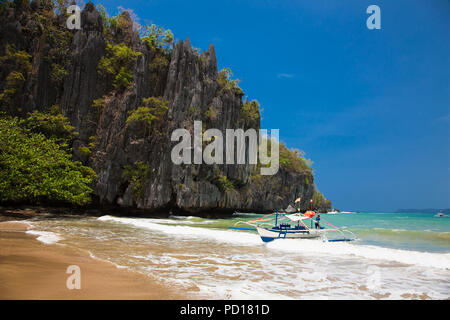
{"type": "Point", "coordinates": [292, 160]}
{"type": "Point", "coordinates": [319, 201]}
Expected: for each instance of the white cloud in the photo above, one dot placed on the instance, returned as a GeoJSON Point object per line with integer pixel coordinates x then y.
{"type": "Point", "coordinates": [285, 75]}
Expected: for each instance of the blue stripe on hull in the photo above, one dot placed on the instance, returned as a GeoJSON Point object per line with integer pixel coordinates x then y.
{"type": "Point", "coordinates": [267, 239]}
{"type": "Point", "coordinates": [239, 228]}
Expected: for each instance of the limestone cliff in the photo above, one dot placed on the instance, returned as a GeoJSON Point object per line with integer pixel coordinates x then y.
{"type": "Point", "coordinates": [65, 72]}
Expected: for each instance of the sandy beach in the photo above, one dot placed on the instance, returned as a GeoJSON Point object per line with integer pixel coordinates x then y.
{"type": "Point", "coordinates": [30, 269]}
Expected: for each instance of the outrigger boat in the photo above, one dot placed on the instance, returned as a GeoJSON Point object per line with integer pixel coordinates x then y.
{"type": "Point", "coordinates": [299, 230]}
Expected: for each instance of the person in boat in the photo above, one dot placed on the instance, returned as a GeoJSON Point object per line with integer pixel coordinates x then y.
{"type": "Point", "coordinates": [317, 223]}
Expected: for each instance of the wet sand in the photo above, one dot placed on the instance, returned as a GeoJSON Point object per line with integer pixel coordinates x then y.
{"type": "Point", "coordinates": [30, 269]}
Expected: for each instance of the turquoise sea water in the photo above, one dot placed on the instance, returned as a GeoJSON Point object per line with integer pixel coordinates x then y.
{"type": "Point", "coordinates": [413, 231]}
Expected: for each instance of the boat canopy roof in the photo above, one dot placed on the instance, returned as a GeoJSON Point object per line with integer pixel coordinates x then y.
{"type": "Point", "coordinates": [296, 217]}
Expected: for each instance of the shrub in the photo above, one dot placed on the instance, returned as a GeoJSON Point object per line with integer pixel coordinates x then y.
{"type": "Point", "coordinates": [158, 71]}
{"type": "Point", "coordinates": [319, 201]}
{"type": "Point", "coordinates": [156, 37]}
{"type": "Point", "coordinates": [35, 168]}
{"type": "Point", "coordinates": [153, 36]}
{"type": "Point", "coordinates": [153, 110]}
{"type": "Point", "coordinates": [117, 64]}
{"type": "Point", "coordinates": [14, 83]}
{"type": "Point", "coordinates": [106, 19]}
{"type": "Point", "coordinates": [17, 60]}
{"type": "Point", "coordinates": [57, 36]}
{"type": "Point", "coordinates": [223, 183]}
{"type": "Point", "coordinates": [136, 175]}
{"type": "Point", "coordinates": [52, 124]}
{"type": "Point", "coordinates": [84, 151]}
{"type": "Point", "coordinates": [58, 73]}
{"type": "Point", "coordinates": [226, 82]}
{"type": "Point", "coordinates": [211, 113]}
{"type": "Point", "coordinates": [141, 114]}
{"type": "Point", "coordinates": [294, 160]}
{"type": "Point", "coordinates": [99, 104]}
{"type": "Point", "coordinates": [113, 24]}
{"type": "Point", "coordinates": [158, 64]}
{"type": "Point", "coordinates": [250, 113]}
{"type": "Point", "coordinates": [291, 160]}
{"type": "Point", "coordinates": [15, 65]}
{"type": "Point", "coordinates": [157, 106]}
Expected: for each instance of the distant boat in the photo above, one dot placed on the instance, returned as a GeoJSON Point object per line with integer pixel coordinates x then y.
{"type": "Point", "coordinates": [439, 214]}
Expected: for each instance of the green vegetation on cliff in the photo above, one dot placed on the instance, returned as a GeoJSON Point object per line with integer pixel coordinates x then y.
{"type": "Point", "coordinates": [156, 37]}
{"type": "Point", "coordinates": [294, 160]}
{"type": "Point", "coordinates": [118, 64]}
{"type": "Point", "coordinates": [250, 113]}
{"type": "Point", "coordinates": [149, 115]}
{"type": "Point", "coordinates": [15, 65]}
{"type": "Point", "coordinates": [52, 124]}
{"type": "Point", "coordinates": [223, 183]}
{"type": "Point", "coordinates": [137, 176]}
{"type": "Point", "coordinates": [227, 83]}
{"type": "Point", "coordinates": [320, 202]}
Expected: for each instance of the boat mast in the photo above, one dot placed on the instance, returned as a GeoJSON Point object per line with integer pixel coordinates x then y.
{"type": "Point", "coordinates": [276, 217]}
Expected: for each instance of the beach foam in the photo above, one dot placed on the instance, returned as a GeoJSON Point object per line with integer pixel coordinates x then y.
{"type": "Point", "coordinates": [45, 236]}
{"type": "Point", "coordinates": [242, 238]}
{"type": "Point", "coordinates": [424, 259]}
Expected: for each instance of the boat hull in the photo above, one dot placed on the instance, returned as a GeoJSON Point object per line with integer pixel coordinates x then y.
{"type": "Point", "coordinates": [268, 235]}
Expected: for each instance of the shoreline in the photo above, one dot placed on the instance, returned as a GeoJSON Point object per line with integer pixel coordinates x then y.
{"type": "Point", "coordinates": [30, 269]}
{"type": "Point", "coordinates": [24, 211]}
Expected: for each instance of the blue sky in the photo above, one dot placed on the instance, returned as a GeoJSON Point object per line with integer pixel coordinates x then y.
{"type": "Point", "coordinates": [371, 108]}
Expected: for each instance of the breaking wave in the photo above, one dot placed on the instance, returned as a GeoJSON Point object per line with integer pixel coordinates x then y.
{"type": "Point", "coordinates": [310, 247]}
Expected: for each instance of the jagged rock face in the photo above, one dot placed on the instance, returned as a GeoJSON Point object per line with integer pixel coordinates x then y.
{"type": "Point", "coordinates": [188, 83]}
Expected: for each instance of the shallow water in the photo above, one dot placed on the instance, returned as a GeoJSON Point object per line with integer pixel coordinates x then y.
{"type": "Point", "coordinates": [392, 259]}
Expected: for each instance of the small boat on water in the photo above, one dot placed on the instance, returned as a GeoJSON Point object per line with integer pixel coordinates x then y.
{"type": "Point", "coordinates": [439, 214]}
{"type": "Point", "coordinates": [299, 230]}
{"type": "Point", "coordinates": [281, 232]}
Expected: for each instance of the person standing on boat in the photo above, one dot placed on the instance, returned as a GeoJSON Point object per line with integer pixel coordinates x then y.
{"type": "Point", "coordinates": [317, 223]}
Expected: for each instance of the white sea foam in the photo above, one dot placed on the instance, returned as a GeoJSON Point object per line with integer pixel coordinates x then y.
{"type": "Point", "coordinates": [45, 236]}
{"type": "Point", "coordinates": [424, 259]}
{"type": "Point", "coordinates": [269, 277]}
{"type": "Point", "coordinates": [241, 238]}
{"type": "Point", "coordinates": [310, 247]}
{"type": "Point", "coordinates": [177, 221]}
{"type": "Point", "coordinates": [244, 290]}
